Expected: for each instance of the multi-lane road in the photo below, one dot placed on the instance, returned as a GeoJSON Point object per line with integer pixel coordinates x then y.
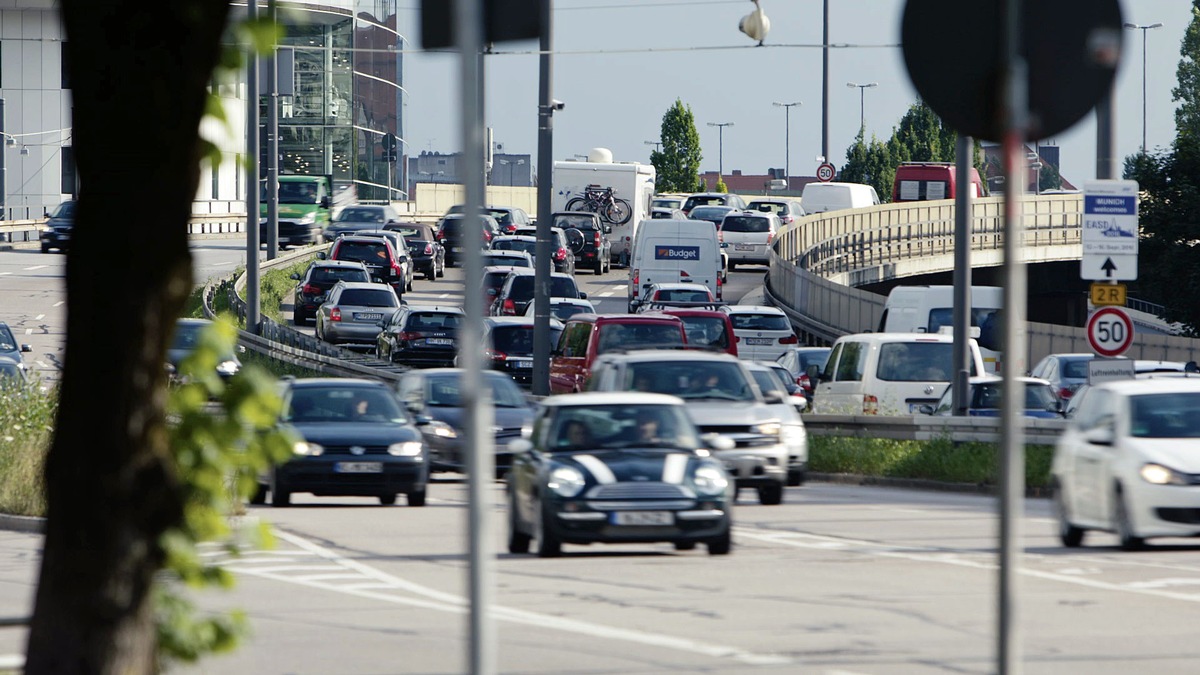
{"type": "Point", "coordinates": [838, 579]}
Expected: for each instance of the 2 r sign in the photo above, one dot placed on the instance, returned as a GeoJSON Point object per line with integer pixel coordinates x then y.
{"type": "Point", "coordinates": [1110, 331]}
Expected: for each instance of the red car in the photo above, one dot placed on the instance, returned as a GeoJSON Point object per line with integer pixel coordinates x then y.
{"type": "Point", "coordinates": [706, 328]}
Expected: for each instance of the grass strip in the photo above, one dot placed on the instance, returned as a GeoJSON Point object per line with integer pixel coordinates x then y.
{"type": "Point", "coordinates": [938, 460]}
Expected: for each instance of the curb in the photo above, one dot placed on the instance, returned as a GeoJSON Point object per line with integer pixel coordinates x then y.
{"type": "Point", "coordinates": [921, 484]}
{"type": "Point", "coordinates": [30, 524]}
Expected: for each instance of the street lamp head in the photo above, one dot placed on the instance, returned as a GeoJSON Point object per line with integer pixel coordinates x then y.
{"type": "Point", "coordinates": [1154, 25]}
{"type": "Point", "coordinates": [786, 105]}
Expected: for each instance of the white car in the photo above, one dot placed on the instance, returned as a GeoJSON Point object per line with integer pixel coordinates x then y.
{"type": "Point", "coordinates": [763, 333]}
{"type": "Point", "coordinates": [1128, 462]}
{"type": "Point", "coordinates": [746, 237]}
{"type": "Point", "coordinates": [565, 308]}
{"type": "Point", "coordinates": [683, 294]}
{"type": "Point", "coordinates": [787, 409]}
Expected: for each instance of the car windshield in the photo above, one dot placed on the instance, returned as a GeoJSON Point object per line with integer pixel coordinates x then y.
{"type": "Point", "coordinates": [632, 335]}
{"type": "Point", "coordinates": [360, 405]}
{"type": "Point", "coordinates": [444, 390]}
{"type": "Point", "coordinates": [490, 260]}
{"type": "Point", "coordinates": [987, 396]}
{"type": "Point", "coordinates": [9, 370]}
{"type": "Point", "coordinates": [418, 321]}
{"type": "Point", "coordinates": [414, 233]}
{"type": "Point", "coordinates": [64, 210]}
{"type": "Point", "coordinates": [753, 321]}
{"type": "Point", "coordinates": [515, 340]}
{"type": "Point", "coordinates": [334, 274]}
{"type": "Point", "coordinates": [296, 193]}
{"type": "Point", "coordinates": [712, 214]}
{"type": "Point", "coordinates": [368, 297]}
{"type": "Point", "coordinates": [502, 217]}
{"type": "Point", "coordinates": [693, 202]}
{"type": "Point", "coordinates": [360, 214]}
{"type": "Point", "coordinates": [916, 361]}
{"type": "Point", "coordinates": [690, 379]}
{"type": "Point", "coordinates": [515, 245]}
{"type": "Point", "coordinates": [1174, 415]}
{"type": "Point", "coordinates": [563, 311]}
{"type": "Point", "coordinates": [683, 295]}
{"type": "Point", "coordinates": [767, 382]}
{"type": "Point", "coordinates": [569, 221]}
{"type": "Point", "coordinates": [767, 207]}
{"type": "Point", "coordinates": [363, 251]}
{"type": "Point", "coordinates": [706, 331]}
{"type": "Point", "coordinates": [560, 287]}
{"type": "Point", "coordinates": [615, 427]}
{"type": "Point", "coordinates": [9, 343]}
{"type": "Point", "coordinates": [1076, 369]}
{"type": "Point", "coordinates": [745, 224]}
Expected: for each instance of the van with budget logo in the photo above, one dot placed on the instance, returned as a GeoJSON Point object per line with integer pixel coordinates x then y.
{"type": "Point", "coordinates": [672, 251]}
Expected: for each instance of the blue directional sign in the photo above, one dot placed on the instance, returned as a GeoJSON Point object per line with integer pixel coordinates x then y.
{"type": "Point", "coordinates": [1110, 230]}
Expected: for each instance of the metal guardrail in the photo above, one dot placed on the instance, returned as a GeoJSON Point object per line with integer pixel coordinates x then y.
{"type": "Point", "coordinates": [926, 428]}
{"type": "Point", "coordinates": [17, 231]}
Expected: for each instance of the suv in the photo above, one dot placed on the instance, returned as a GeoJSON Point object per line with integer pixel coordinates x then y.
{"type": "Point", "coordinates": [508, 345]}
{"type": "Point", "coordinates": [591, 245]}
{"type": "Point", "coordinates": [449, 237]}
{"type": "Point", "coordinates": [788, 210]}
{"type": "Point", "coordinates": [353, 311]}
{"type": "Point", "coordinates": [316, 282]}
{"type": "Point", "coordinates": [586, 336]}
{"type": "Point", "coordinates": [400, 246]}
{"type": "Point", "coordinates": [376, 254]}
{"type": "Point", "coordinates": [426, 253]}
{"type": "Point", "coordinates": [420, 335]}
{"type": "Point", "coordinates": [57, 232]}
{"type": "Point", "coordinates": [563, 254]}
{"type": "Point", "coordinates": [712, 199]}
{"type": "Point", "coordinates": [517, 291]}
{"type": "Point", "coordinates": [723, 398]}
{"type": "Point", "coordinates": [746, 237]}
{"type": "Point", "coordinates": [508, 217]}
{"type": "Point", "coordinates": [763, 333]}
{"type": "Point", "coordinates": [515, 242]}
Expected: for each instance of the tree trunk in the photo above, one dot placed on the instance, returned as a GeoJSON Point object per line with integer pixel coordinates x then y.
{"type": "Point", "coordinates": [139, 74]}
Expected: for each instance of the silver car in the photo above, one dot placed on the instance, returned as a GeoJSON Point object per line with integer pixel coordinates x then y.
{"type": "Point", "coordinates": [353, 310]}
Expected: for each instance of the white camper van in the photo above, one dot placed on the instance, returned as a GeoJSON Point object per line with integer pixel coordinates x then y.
{"type": "Point", "coordinates": [632, 186]}
{"type": "Point", "coordinates": [672, 251]}
{"type": "Point", "coordinates": [821, 197]}
{"type": "Point", "coordinates": [930, 309]}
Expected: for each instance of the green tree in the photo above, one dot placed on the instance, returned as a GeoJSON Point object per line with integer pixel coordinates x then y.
{"type": "Point", "coordinates": [721, 186]}
{"type": "Point", "coordinates": [1048, 177]}
{"type": "Point", "coordinates": [678, 163]}
{"type": "Point", "coordinates": [1187, 90]}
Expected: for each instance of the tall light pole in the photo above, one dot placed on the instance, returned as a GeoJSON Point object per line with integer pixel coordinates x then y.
{"type": "Point", "coordinates": [862, 103]}
{"type": "Point", "coordinates": [656, 144]}
{"type": "Point", "coordinates": [787, 139]}
{"type": "Point", "coordinates": [1143, 29]}
{"type": "Point", "coordinates": [720, 148]}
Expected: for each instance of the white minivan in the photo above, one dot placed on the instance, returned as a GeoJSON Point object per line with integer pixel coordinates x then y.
{"type": "Point", "coordinates": [674, 251]}
{"type": "Point", "coordinates": [887, 373]}
{"type": "Point", "coordinates": [930, 309]}
{"type": "Point", "coordinates": [821, 197]}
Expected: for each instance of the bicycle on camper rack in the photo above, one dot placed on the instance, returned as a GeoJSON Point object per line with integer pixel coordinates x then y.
{"type": "Point", "coordinates": [604, 202]}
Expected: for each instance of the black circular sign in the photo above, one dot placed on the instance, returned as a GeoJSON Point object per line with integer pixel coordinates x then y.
{"type": "Point", "coordinates": [953, 51]}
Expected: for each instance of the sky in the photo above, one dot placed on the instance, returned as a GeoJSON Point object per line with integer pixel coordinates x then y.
{"type": "Point", "coordinates": [643, 54]}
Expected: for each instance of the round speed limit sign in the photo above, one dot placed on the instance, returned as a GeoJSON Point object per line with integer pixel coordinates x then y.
{"type": "Point", "coordinates": [1110, 331]}
{"type": "Point", "coordinates": [825, 172]}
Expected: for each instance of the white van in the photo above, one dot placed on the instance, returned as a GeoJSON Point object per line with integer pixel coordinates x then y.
{"type": "Point", "coordinates": [930, 309]}
{"type": "Point", "coordinates": [673, 251]}
{"type": "Point", "coordinates": [887, 373]}
{"type": "Point", "coordinates": [821, 197]}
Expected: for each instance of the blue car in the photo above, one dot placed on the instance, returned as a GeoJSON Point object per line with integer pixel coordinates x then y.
{"type": "Point", "coordinates": [986, 393]}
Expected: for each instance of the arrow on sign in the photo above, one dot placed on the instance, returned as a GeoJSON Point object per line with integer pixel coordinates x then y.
{"type": "Point", "coordinates": [1109, 267]}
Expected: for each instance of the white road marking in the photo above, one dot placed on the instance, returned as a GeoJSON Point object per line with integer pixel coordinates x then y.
{"type": "Point", "coordinates": [29, 331]}
{"type": "Point", "coordinates": [223, 264]}
{"type": "Point", "coordinates": [39, 317]}
{"type": "Point", "coordinates": [444, 295]}
{"type": "Point", "coordinates": [455, 604]}
{"type": "Point", "coordinates": [36, 267]}
{"type": "Point", "coordinates": [925, 555]}
{"type": "Point", "coordinates": [606, 294]}
{"type": "Point", "coordinates": [60, 303]}
{"type": "Point", "coordinates": [4, 274]}
{"type": "Point", "coordinates": [40, 364]}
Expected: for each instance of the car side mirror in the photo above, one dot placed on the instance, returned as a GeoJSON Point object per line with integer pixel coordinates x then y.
{"type": "Point", "coordinates": [1100, 436]}
{"type": "Point", "coordinates": [608, 229]}
{"type": "Point", "coordinates": [491, 292]}
{"type": "Point", "coordinates": [296, 276]}
{"type": "Point", "coordinates": [925, 409]}
{"type": "Point", "coordinates": [325, 202]}
{"type": "Point", "coordinates": [813, 372]}
{"type": "Point", "coordinates": [26, 348]}
{"type": "Point", "coordinates": [800, 403]}
{"type": "Point", "coordinates": [320, 255]}
{"type": "Point", "coordinates": [414, 406]}
{"type": "Point", "coordinates": [773, 397]}
{"type": "Point", "coordinates": [519, 446]}
{"type": "Point", "coordinates": [582, 295]}
{"type": "Point", "coordinates": [422, 420]}
{"type": "Point", "coordinates": [718, 442]}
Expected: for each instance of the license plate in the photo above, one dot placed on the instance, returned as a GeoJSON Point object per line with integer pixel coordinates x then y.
{"type": "Point", "coordinates": [760, 341]}
{"type": "Point", "coordinates": [358, 467]}
{"type": "Point", "coordinates": [642, 518]}
{"type": "Point", "coordinates": [743, 247]}
{"type": "Point", "coordinates": [521, 363]}
{"type": "Point", "coordinates": [439, 342]}
{"type": "Point", "coordinates": [367, 316]}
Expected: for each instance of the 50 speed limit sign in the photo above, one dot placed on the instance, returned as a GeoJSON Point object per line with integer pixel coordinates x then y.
{"type": "Point", "coordinates": [1110, 331]}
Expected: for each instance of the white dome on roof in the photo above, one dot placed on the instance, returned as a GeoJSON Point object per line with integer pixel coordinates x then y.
{"type": "Point", "coordinates": [600, 156]}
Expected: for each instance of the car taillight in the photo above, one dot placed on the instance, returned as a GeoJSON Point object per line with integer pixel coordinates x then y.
{"type": "Point", "coordinates": [509, 307]}
{"type": "Point", "coordinates": [493, 355]}
{"type": "Point", "coordinates": [487, 236]}
{"type": "Point", "coordinates": [770, 236]}
{"type": "Point", "coordinates": [407, 336]}
{"type": "Point", "coordinates": [560, 254]}
{"type": "Point", "coordinates": [335, 314]}
{"type": "Point", "coordinates": [736, 339]}
{"type": "Point", "coordinates": [1065, 393]}
{"type": "Point", "coordinates": [802, 380]}
{"type": "Point", "coordinates": [789, 340]}
{"type": "Point", "coordinates": [596, 239]}
{"type": "Point", "coordinates": [398, 272]}
{"type": "Point", "coordinates": [429, 248]}
{"type": "Point", "coordinates": [440, 236]}
{"type": "Point", "coordinates": [721, 236]}
{"type": "Point", "coordinates": [870, 405]}
{"type": "Point", "coordinates": [684, 275]}
{"type": "Point", "coordinates": [634, 281]}
{"type": "Point", "coordinates": [309, 289]}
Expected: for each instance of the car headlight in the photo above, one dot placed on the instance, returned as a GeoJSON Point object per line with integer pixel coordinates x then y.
{"type": "Point", "coordinates": [307, 449]}
{"type": "Point", "coordinates": [444, 430]}
{"type": "Point", "coordinates": [309, 218]}
{"type": "Point", "coordinates": [565, 481]}
{"type": "Point", "coordinates": [771, 428]}
{"type": "Point", "coordinates": [710, 481]}
{"type": "Point", "coordinates": [228, 367]}
{"type": "Point", "coordinates": [405, 449]}
{"type": "Point", "coordinates": [1161, 475]}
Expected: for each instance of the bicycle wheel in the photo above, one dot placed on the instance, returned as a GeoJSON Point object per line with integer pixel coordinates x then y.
{"type": "Point", "coordinates": [576, 204]}
{"type": "Point", "coordinates": [619, 211]}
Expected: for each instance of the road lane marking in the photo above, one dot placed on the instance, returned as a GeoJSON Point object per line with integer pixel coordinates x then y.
{"type": "Point", "coordinates": [606, 294]}
{"type": "Point", "coordinates": [29, 331]}
{"type": "Point", "coordinates": [35, 267]}
{"type": "Point", "coordinates": [40, 364]}
{"type": "Point", "coordinates": [456, 604]}
{"type": "Point", "coordinates": [39, 317]}
{"type": "Point", "coordinates": [928, 555]}
{"type": "Point", "coordinates": [60, 303]}
{"type": "Point", "coordinates": [4, 274]}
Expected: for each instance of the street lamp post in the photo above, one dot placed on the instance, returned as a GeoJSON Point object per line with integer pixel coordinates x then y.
{"type": "Point", "coordinates": [862, 103]}
{"type": "Point", "coordinates": [720, 148]}
{"type": "Point", "coordinates": [787, 139]}
{"type": "Point", "coordinates": [510, 164]}
{"type": "Point", "coordinates": [1143, 29]}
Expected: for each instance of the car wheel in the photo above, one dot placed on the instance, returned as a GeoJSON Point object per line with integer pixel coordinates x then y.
{"type": "Point", "coordinates": [518, 541]}
{"type": "Point", "coordinates": [795, 478]}
{"type": "Point", "coordinates": [408, 287]}
{"type": "Point", "coordinates": [1124, 526]}
{"type": "Point", "coordinates": [548, 545]}
{"type": "Point", "coordinates": [416, 498]}
{"type": "Point", "coordinates": [599, 268]}
{"type": "Point", "coordinates": [721, 544]}
{"type": "Point", "coordinates": [685, 545]}
{"type": "Point", "coordinates": [280, 497]}
{"type": "Point", "coordinates": [732, 266]}
{"type": "Point", "coordinates": [387, 499]}
{"type": "Point", "coordinates": [260, 495]}
{"type": "Point", "coordinates": [771, 495]}
{"type": "Point", "coordinates": [1071, 536]}
{"type": "Point", "coordinates": [441, 270]}
{"type": "Point", "coordinates": [45, 248]}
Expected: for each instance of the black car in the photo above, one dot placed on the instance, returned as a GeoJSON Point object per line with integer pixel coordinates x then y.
{"type": "Point", "coordinates": [9, 346]}
{"type": "Point", "coordinates": [426, 253]}
{"type": "Point", "coordinates": [381, 260]}
{"type": "Point", "coordinates": [508, 345]}
{"type": "Point", "coordinates": [188, 335]}
{"type": "Point", "coordinates": [354, 439]}
{"type": "Point", "coordinates": [562, 252]}
{"type": "Point", "coordinates": [57, 232]}
{"type": "Point", "coordinates": [315, 284]}
{"type": "Point", "coordinates": [448, 235]}
{"type": "Point", "coordinates": [360, 217]}
{"type": "Point", "coordinates": [517, 291]}
{"type": "Point", "coordinates": [436, 395]}
{"type": "Point", "coordinates": [420, 336]}
{"type": "Point", "coordinates": [617, 467]}
{"type": "Point", "coordinates": [588, 238]}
